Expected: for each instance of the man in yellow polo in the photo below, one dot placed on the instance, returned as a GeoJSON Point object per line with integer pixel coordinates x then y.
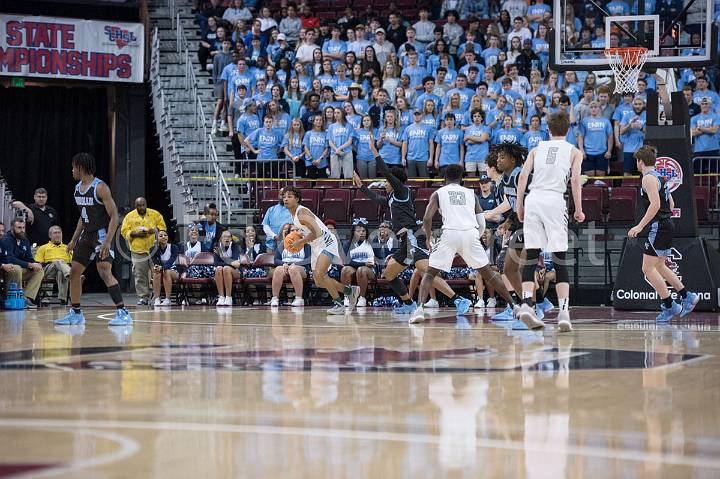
{"type": "Point", "coordinates": [55, 259]}
{"type": "Point", "coordinates": [139, 229]}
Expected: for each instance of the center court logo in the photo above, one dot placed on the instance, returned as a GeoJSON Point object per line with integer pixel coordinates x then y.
{"type": "Point", "coordinates": [671, 171]}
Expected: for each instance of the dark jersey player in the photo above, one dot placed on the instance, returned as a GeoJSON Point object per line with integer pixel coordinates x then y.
{"type": "Point", "coordinates": [659, 204]}
{"type": "Point", "coordinates": [405, 222]}
{"type": "Point", "coordinates": [92, 240]}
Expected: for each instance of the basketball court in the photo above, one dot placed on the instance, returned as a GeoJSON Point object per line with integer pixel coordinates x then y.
{"type": "Point", "coordinates": [250, 392]}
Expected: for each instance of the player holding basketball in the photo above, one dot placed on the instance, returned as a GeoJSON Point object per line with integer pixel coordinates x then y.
{"type": "Point", "coordinates": [92, 240]}
{"type": "Point", "coordinates": [463, 224]}
{"type": "Point", "coordinates": [324, 248]}
{"type": "Point", "coordinates": [404, 220]}
{"type": "Point", "coordinates": [659, 204]}
{"type": "Point", "coordinates": [545, 217]}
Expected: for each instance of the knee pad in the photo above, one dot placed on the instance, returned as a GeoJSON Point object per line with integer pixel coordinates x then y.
{"type": "Point", "coordinates": [528, 273]}
{"type": "Point", "coordinates": [561, 272]}
{"type": "Point", "coordinates": [398, 287]}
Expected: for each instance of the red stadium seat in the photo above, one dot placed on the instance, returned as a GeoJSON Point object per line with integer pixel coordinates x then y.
{"type": "Point", "coordinates": [271, 194]}
{"type": "Point", "coordinates": [336, 205]}
{"type": "Point", "coordinates": [193, 287]}
{"type": "Point", "coordinates": [634, 182]}
{"type": "Point", "coordinates": [365, 208]}
{"type": "Point", "coordinates": [425, 193]}
{"type": "Point", "coordinates": [311, 199]}
{"type": "Point", "coordinates": [702, 203]}
{"type": "Point", "coordinates": [622, 204]}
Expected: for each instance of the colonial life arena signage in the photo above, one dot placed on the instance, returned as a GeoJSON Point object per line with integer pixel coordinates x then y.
{"type": "Point", "coordinates": [71, 48]}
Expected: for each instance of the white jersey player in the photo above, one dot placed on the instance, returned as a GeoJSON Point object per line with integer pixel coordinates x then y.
{"type": "Point", "coordinates": [544, 214]}
{"type": "Point", "coordinates": [324, 248]}
{"type": "Point", "coordinates": [463, 224]}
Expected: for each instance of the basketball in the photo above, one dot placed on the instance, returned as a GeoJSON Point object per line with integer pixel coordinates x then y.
{"type": "Point", "coordinates": [293, 236]}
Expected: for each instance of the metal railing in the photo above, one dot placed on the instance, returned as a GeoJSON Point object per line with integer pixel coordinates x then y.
{"type": "Point", "coordinates": [200, 133]}
{"type": "Point", "coordinates": [6, 211]}
{"type": "Point", "coordinates": [707, 169]}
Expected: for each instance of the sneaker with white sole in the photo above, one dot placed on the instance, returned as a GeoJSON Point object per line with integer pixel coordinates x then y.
{"type": "Point", "coordinates": [479, 304]}
{"type": "Point", "coordinates": [223, 126]}
{"type": "Point", "coordinates": [491, 303]}
{"type": "Point", "coordinates": [526, 314]}
{"type": "Point", "coordinates": [228, 301]}
{"type": "Point", "coordinates": [689, 303]}
{"type": "Point", "coordinates": [274, 302]}
{"type": "Point", "coordinates": [298, 302]}
{"type": "Point", "coordinates": [361, 303]}
{"type": "Point", "coordinates": [220, 301]}
{"type": "Point", "coordinates": [564, 325]}
{"type": "Point", "coordinates": [346, 302]}
{"type": "Point", "coordinates": [157, 302]}
{"type": "Point", "coordinates": [353, 297]}
{"type": "Point", "coordinates": [431, 304]}
{"type": "Point", "coordinates": [462, 306]}
{"type": "Point", "coordinates": [213, 129]}
{"type": "Point", "coordinates": [337, 308]}
{"type": "Point", "coordinates": [418, 316]}
{"type": "Point", "coordinates": [166, 302]}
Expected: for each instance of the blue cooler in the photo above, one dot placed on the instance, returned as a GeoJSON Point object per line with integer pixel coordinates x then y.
{"type": "Point", "coordinates": [14, 298]}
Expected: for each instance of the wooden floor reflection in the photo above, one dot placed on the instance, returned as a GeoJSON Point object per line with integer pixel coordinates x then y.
{"type": "Point", "coordinates": [251, 393]}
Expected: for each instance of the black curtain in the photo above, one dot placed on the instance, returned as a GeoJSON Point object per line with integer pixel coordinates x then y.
{"type": "Point", "coordinates": [40, 131]}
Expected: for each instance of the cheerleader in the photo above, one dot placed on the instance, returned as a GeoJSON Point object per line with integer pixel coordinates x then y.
{"type": "Point", "coordinates": [360, 260]}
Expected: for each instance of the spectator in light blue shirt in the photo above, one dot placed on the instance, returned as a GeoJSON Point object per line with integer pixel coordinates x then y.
{"type": "Point", "coordinates": [618, 8]}
{"type": "Point", "coordinates": [632, 134]}
{"type": "Point", "coordinates": [340, 138]}
{"type": "Point", "coordinates": [246, 124]}
{"type": "Point", "coordinates": [450, 149]}
{"type": "Point", "coordinates": [507, 134]}
{"type": "Point", "coordinates": [477, 144]}
{"type": "Point", "coordinates": [414, 71]}
{"type": "Point", "coordinates": [334, 48]}
{"type": "Point", "coordinates": [595, 140]}
{"type": "Point", "coordinates": [316, 149]}
{"type": "Point", "coordinates": [365, 158]}
{"type": "Point", "coordinates": [266, 143]}
{"type": "Point", "coordinates": [275, 217]}
{"type": "Point", "coordinates": [418, 147]}
{"type": "Point", "coordinates": [704, 130]}
{"type": "Point", "coordinates": [535, 134]}
{"type": "Point", "coordinates": [389, 138]}
{"type": "Point", "coordinates": [429, 86]}
{"type": "Point", "coordinates": [537, 13]}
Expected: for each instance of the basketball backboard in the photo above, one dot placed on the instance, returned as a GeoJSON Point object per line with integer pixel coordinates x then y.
{"type": "Point", "coordinates": [682, 39]}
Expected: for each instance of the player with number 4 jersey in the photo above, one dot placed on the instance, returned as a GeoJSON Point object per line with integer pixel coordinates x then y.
{"type": "Point", "coordinates": [92, 240]}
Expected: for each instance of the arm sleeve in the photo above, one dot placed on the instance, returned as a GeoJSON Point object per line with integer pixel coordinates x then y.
{"type": "Point", "coordinates": [385, 171]}
{"type": "Point", "coordinates": [383, 200]}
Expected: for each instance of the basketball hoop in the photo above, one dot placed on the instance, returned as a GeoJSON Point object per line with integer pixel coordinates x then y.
{"type": "Point", "coordinates": [626, 63]}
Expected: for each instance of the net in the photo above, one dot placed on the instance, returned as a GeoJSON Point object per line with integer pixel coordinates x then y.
{"type": "Point", "coordinates": [626, 64]}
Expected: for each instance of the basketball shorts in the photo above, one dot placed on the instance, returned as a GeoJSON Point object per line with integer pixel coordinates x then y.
{"type": "Point", "coordinates": [410, 249]}
{"type": "Point", "coordinates": [546, 222]}
{"type": "Point", "coordinates": [659, 241]}
{"type": "Point", "coordinates": [328, 246]}
{"type": "Point", "coordinates": [88, 247]}
{"type": "Point", "coordinates": [465, 243]}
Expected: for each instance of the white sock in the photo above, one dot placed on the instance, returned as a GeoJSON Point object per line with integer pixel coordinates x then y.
{"type": "Point", "coordinates": [563, 304]}
{"type": "Point", "coordinates": [527, 294]}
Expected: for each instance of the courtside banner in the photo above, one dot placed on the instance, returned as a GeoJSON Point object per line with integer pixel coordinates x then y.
{"type": "Point", "coordinates": [51, 47]}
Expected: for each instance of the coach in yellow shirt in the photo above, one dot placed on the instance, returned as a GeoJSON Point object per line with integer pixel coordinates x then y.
{"type": "Point", "coordinates": [139, 229]}
{"type": "Point", "coordinates": [56, 261]}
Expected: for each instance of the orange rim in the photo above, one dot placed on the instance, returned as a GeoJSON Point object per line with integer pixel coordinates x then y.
{"type": "Point", "coordinates": [629, 55]}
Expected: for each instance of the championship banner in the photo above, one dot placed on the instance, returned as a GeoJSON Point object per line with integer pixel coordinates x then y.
{"type": "Point", "coordinates": [53, 47]}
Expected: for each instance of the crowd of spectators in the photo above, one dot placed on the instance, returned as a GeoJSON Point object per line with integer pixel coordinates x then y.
{"type": "Point", "coordinates": [431, 91]}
